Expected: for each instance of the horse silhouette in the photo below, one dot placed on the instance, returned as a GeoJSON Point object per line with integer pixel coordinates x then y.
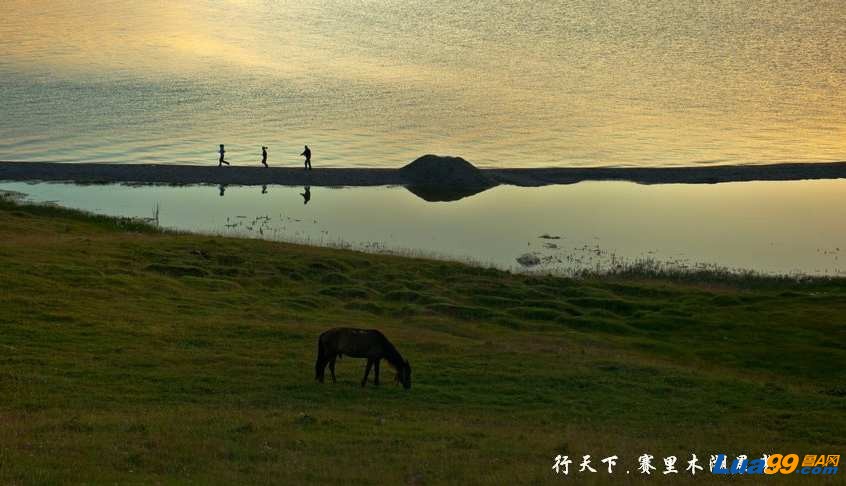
{"type": "Point", "coordinates": [360, 343]}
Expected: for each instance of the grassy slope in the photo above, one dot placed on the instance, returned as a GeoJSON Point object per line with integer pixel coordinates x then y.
{"type": "Point", "coordinates": [129, 355]}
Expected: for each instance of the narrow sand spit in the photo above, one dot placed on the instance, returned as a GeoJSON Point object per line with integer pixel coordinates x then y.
{"type": "Point", "coordinates": [451, 173]}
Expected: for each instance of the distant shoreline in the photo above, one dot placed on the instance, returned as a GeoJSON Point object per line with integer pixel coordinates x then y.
{"type": "Point", "coordinates": [97, 173]}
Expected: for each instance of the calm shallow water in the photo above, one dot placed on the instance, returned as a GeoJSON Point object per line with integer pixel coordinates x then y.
{"type": "Point", "coordinates": [772, 227]}
{"type": "Point", "coordinates": [380, 82]}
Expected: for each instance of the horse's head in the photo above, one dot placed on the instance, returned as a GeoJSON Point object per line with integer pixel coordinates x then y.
{"type": "Point", "coordinates": [404, 375]}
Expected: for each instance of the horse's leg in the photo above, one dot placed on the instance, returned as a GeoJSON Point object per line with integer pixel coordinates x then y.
{"type": "Point", "coordinates": [319, 368]}
{"type": "Point", "coordinates": [366, 371]}
{"type": "Point", "coordinates": [332, 369]}
{"type": "Point", "coordinates": [376, 373]}
{"type": "Point", "coordinates": [320, 364]}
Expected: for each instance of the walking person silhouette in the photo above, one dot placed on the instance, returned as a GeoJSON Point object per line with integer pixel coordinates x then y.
{"type": "Point", "coordinates": [264, 155]}
{"type": "Point", "coordinates": [307, 154]}
{"type": "Point", "coordinates": [221, 161]}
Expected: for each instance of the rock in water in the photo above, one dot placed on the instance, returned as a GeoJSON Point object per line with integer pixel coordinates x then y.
{"type": "Point", "coordinates": [435, 170]}
{"type": "Point", "coordinates": [439, 178]}
{"type": "Point", "coordinates": [528, 260]}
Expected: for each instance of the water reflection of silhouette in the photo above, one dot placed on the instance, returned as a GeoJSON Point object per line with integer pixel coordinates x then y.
{"type": "Point", "coordinates": [306, 195]}
{"type": "Point", "coordinates": [222, 189]}
{"type": "Point", "coordinates": [444, 193]}
{"type": "Point", "coordinates": [264, 188]}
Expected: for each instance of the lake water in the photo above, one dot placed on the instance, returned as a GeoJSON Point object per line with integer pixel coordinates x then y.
{"type": "Point", "coordinates": [771, 227]}
{"type": "Point", "coordinates": [379, 82]}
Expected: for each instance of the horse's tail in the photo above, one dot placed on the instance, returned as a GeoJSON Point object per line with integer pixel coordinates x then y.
{"type": "Point", "coordinates": [319, 366]}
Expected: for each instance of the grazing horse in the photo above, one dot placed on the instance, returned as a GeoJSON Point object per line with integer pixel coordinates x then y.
{"type": "Point", "coordinates": [360, 343]}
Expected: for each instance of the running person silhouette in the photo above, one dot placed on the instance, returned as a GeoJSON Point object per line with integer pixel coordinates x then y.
{"type": "Point", "coordinates": [307, 154]}
{"type": "Point", "coordinates": [264, 155]}
{"type": "Point", "coordinates": [221, 161]}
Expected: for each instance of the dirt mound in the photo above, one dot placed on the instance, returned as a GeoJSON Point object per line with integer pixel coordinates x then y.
{"type": "Point", "coordinates": [438, 171]}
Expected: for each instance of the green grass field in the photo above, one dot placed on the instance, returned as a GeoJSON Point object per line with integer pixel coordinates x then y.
{"type": "Point", "coordinates": [134, 356]}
